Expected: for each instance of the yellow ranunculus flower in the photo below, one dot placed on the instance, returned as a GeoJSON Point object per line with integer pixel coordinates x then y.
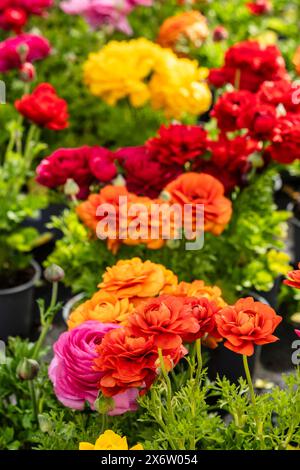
{"type": "Point", "coordinates": [143, 71]}
{"type": "Point", "coordinates": [109, 441]}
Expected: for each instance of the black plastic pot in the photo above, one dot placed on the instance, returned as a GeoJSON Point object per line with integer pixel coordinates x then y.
{"type": "Point", "coordinates": [16, 307]}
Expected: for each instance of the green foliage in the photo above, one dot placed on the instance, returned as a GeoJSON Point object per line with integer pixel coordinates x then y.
{"type": "Point", "coordinates": [18, 200]}
{"type": "Point", "coordinates": [247, 255]}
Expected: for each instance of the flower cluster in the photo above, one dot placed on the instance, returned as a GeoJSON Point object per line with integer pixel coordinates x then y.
{"type": "Point", "coordinates": [248, 64]}
{"type": "Point", "coordinates": [84, 165]}
{"type": "Point", "coordinates": [122, 354]}
{"type": "Point", "coordinates": [112, 13]}
{"type": "Point", "coordinates": [143, 71]}
{"type": "Point", "coordinates": [14, 14]}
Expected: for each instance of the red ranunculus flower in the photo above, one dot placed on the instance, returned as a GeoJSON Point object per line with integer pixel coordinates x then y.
{"type": "Point", "coordinates": [204, 311]}
{"type": "Point", "coordinates": [248, 64]}
{"type": "Point", "coordinates": [24, 48]}
{"type": "Point", "coordinates": [228, 108]}
{"type": "Point", "coordinates": [44, 108]}
{"type": "Point", "coordinates": [165, 319]}
{"type": "Point", "coordinates": [145, 176]}
{"type": "Point", "coordinates": [293, 278]}
{"type": "Point", "coordinates": [259, 7]}
{"type": "Point", "coordinates": [125, 362]}
{"type": "Point", "coordinates": [259, 119]}
{"type": "Point", "coordinates": [14, 13]}
{"type": "Point", "coordinates": [229, 161]}
{"type": "Point", "coordinates": [177, 144]}
{"type": "Point", "coordinates": [285, 146]}
{"type": "Point", "coordinates": [281, 92]}
{"type": "Point", "coordinates": [245, 324]}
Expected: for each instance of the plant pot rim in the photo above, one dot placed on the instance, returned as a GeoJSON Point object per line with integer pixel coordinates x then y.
{"type": "Point", "coordinates": [28, 284]}
{"type": "Point", "coordinates": [68, 307]}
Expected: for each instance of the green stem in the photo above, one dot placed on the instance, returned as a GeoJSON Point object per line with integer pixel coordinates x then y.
{"type": "Point", "coordinates": [48, 323]}
{"type": "Point", "coordinates": [249, 380]}
{"type": "Point", "coordinates": [33, 399]}
{"type": "Point", "coordinates": [28, 145]}
{"type": "Point", "coordinates": [199, 360]}
{"type": "Point", "coordinates": [168, 382]}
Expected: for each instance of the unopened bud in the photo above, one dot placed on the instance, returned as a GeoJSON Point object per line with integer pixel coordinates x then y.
{"type": "Point", "coordinates": [119, 181]}
{"type": "Point", "coordinates": [165, 196]}
{"type": "Point", "coordinates": [220, 34]}
{"type": "Point", "coordinates": [71, 188]}
{"type": "Point", "coordinates": [27, 369]}
{"type": "Point", "coordinates": [104, 404]}
{"type": "Point", "coordinates": [27, 72]}
{"type": "Point", "coordinates": [23, 50]}
{"type": "Point", "coordinates": [54, 273]}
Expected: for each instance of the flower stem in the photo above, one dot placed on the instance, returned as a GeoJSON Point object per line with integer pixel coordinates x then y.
{"type": "Point", "coordinates": [199, 360]}
{"type": "Point", "coordinates": [168, 383]}
{"type": "Point", "coordinates": [46, 324]}
{"type": "Point", "coordinates": [33, 399]}
{"type": "Point", "coordinates": [249, 380]}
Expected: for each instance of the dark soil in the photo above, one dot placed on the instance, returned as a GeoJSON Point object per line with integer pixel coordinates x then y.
{"type": "Point", "coordinates": [14, 279]}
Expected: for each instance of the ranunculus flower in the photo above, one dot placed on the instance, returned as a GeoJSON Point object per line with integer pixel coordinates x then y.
{"type": "Point", "coordinates": [104, 12]}
{"type": "Point", "coordinates": [228, 108]}
{"type": "Point", "coordinates": [259, 7]}
{"type": "Point", "coordinates": [135, 160]}
{"type": "Point", "coordinates": [177, 144]}
{"type": "Point", "coordinates": [72, 370]}
{"type": "Point", "coordinates": [195, 189]}
{"type": "Point", "coordinates": [164, 318]}
{"type": "Point", "coordinates": [296, 60]}
{"type": "Point", "coordinates": [14, 13]}
{"type": "Point", "coordinates": [137, 279]}
{"type": "Point", "coordinates": [259, 119]}
{"type": "Point", "coordinates": [125, 362]}
{"type": "Point", "coordinates": [248, 64]}
{"type": "Point", "coordinates": [182, 30]}
{"type": "Point", "coordinates": [203, 311]}
{"type": "Point", "coordinates": [229, 161]}
{"type": "Point", "coordinates": [285, 140]}
{"type": "Point", "coordinates": [102, 307]}
{"type": "Point", "coordinates": [196, 289]}
{"type": "Point", "coordinates": [101, 163]}
{"type": "Point", "coordinates": [44, 108]}
{"type": "Point", "coordinates": [245, 324]}
{"type": "Point", "coordinates": [282, 92]}
{"type": "Point", "coordinates": [24, 48]}
{"type": "Point", "coordinates": [293, 278]}
{"type": "Point", "coordinates": [109, 440]}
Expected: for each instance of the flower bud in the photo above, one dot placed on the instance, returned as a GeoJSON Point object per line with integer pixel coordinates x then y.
{"type": "Point", "coordinates": [220, 34]}
{"type": "Point", "coordinates": [104, 404]}
{"type": "Point", "coordinates": [54, 273]}
{"type": "Point", "coordinates": [23, 50]}
{"type": "Point", "coordinates": [71, 188]}
{"type": "Point", "coordinates": [27, 72]}
{"type": "Point", "coordinates": [27, 369]}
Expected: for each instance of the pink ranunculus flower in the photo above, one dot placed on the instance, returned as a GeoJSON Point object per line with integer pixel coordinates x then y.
{"type": "Point", "coordinates": [72, 369]}
{"type": "Point", "coordinates": [24, 48]}
{"type": "Point", "coordinates": [104, 12]}
{"type": "Point", "coordinates": [101, 163]}
{"type": "Point", "coordinates": [297, 332]}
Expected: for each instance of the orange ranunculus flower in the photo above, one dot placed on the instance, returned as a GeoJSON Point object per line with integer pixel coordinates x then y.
{"type": "Point", "coordinates": [247, 323]}
{"type": "Point", "coordinates": [137, 279]}
{"type": "Point", "coordinates": [293, 278]}
{"type": "Point", "coordinates": [296, 60]}
{"type": "Point", "coordinates": [196, 289]}
{"type": "Point", "coordinates": [149, 227]}
{"type": "Point", "coordinates": [102, 307]}
{"type": "Point", "coordinates": [200, 188]}
{"type": "Point", "coordinates": [183, 29]}
{"type": "Point", "coordinates": [164, 318]}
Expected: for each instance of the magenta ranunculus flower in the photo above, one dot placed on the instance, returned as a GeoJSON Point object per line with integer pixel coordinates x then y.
{"type": "Point", "coordinates": [83, 164]}
{"type": "Point", "coordinates": [24, 48]}
{"type": "Point", "coordinates": [104, 12]}
{"type": "Point", "coordinates": [71, 370]}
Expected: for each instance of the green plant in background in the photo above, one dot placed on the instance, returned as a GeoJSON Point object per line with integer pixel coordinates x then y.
{"type": "Point", "coordinates": [19, 201]}
{"type": "Point", "coordinates": [248, 255]}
